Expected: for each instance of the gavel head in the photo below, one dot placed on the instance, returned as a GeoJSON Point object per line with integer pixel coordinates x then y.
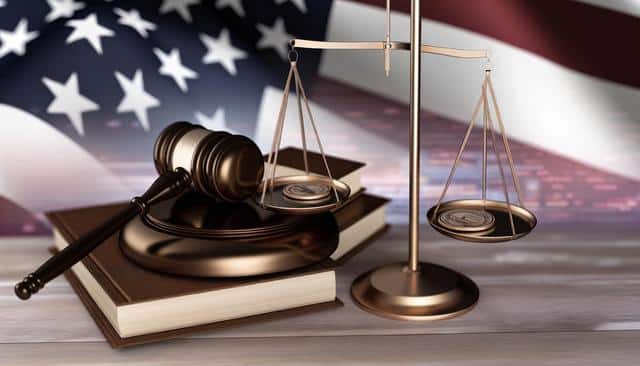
{"type": "Point", "coordinates": [224, 166]}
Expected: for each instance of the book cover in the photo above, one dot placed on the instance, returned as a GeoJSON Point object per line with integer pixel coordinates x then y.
{"type": "Point", "coordinates": [126, 283]}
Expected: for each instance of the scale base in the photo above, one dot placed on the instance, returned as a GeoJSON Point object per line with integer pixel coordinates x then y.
{"type": "Point", "coordinates": [433, 293]}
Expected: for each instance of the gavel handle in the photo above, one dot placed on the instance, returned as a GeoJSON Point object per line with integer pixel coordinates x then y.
{"type": "Point", "coordinates": [166, 186]}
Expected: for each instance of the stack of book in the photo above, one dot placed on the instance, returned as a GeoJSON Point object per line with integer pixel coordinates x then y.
{"type": "Point", "coordinates": [132, 305]}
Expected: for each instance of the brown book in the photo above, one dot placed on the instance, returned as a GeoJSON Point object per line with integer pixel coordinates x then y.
{"type": "Point", "coordinates": [291, 162]}
{"type": "Point", "coordinates": [133, 305]}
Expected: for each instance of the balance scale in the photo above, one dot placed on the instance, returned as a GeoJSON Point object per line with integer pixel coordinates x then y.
{"type": "Point", "coordinates": [413, 290]}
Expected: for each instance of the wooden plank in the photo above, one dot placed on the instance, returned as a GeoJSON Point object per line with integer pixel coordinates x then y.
{"type": "Point", "coordinates": [533, 349]}
{"type": "Point", "coordinates": [551, 281]}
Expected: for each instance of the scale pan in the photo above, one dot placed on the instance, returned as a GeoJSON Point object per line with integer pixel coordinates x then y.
{"type": "Point", "coordinates": [303, 194]}
{"type": "Point", "coordinates": [523, 219]}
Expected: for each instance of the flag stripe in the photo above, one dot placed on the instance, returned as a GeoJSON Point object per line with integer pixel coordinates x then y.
{"type": "Point", "coordinates": [590, 39]}
{"type": "Point", "coordinates": [545, 105]}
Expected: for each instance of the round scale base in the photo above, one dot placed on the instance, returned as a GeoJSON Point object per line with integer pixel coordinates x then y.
{"type": "Point", "coordinates": [433, 293]}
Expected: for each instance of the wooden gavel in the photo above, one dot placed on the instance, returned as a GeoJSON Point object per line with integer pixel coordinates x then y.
{"type": "Point", "coordinates": [224, 166]}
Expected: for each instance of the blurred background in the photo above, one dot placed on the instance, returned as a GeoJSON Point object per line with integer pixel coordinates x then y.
{"type": "Point", "coordinates": [86, 86]}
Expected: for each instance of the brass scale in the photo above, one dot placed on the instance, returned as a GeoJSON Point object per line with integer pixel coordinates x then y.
{"type": "Point", "coordinates": [288, 223]}
{"type": "Point", "coordinates": [413, 290]}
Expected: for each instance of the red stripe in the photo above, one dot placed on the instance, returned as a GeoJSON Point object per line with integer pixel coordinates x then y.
{"type": "Point", "coordinates": [586, 38]}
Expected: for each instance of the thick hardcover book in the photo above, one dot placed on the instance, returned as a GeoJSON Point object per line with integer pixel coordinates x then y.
{"type": "Point", "coordinates": [116, 341]}
{"type": "Point", "coordinates": [132, 305]}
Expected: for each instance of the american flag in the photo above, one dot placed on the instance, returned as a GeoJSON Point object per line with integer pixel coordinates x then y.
{"type": "Point", "coordinates": [87, 86]}
{"type": "Point", "coordinates": [111, 75]}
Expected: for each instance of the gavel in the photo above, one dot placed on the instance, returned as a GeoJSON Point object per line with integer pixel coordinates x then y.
{"type": "Point", "coordinates": [221, 165]}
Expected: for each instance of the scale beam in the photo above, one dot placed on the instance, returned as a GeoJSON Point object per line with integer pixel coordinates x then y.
{"type": "Point", "coordinates": [382, 45]}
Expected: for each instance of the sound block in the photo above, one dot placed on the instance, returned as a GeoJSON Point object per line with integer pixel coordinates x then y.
{"type": "Point", "coordinates": [195, 235]}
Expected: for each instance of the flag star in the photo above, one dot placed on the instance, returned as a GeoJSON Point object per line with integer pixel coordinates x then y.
{"type": "Point", "coordinates": [172, 66]}
{"type": "Point", "coordinates": [275, 37]}
{"type": "Point", "coordinates": [17, 40]}
{"type": "Point", "coordinates": [89, 29]}
{"type": "Point", "coordinates": [217, 122]}
{"type": "Point", "coordinates": [220, 50]}
{"type": "Point", "coordinates": [62, 9]}
{"type": "Point", "coordinates": [68, 100]}
{"type": "Point", "coordinates": [301, 4]}
{"type": "Point", "coordinates": [236, 5]}
{"type": "Point", "coordinates": [3, 3]}
{"type": "Point", "coordinates": [179, 6]}
{"type": "Point", "coordinates": [136, 99]}
{"type": "Point", "coordinates": [132, 19]}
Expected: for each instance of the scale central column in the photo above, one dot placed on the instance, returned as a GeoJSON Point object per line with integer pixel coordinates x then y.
{"type": "Point", "coordinates": [414, 157]}
{"type": "Point", "coordinates": [415, 291]}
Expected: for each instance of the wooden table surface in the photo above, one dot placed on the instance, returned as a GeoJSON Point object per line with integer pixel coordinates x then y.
{"type": "Point", "coordinates": [559, 296]}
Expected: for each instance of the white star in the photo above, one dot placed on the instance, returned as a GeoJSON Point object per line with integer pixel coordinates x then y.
{"type": "Point", "coordinates": [221, 51]}
{"type": "Point", "coordinates": [135, 99]}
{"type": "Point", "coordinates": [132, 19]}
{"type": "Point", "coordinates": [179, 6]}
{"type": "Point", "coordinates": [217, 122]}
{"type": "Point", "coordinates": [3, 3]}
{"type": "Point", "coordinates": [62, 9]}
{"type": "Point", "coordinates": [89, 29]}
{"type": "Point", "coordinates": [17, 40]}
{"type": "Point", "coordinates": [301, 4]}
{"type": "Point", "coordinates": [68, 100]}
{"type": "Point", "coordinates": [236, 5]}
{"type": "Point", "coordinates": [172, 66]}
{"type": "Point", "coordinates": [275, 37]}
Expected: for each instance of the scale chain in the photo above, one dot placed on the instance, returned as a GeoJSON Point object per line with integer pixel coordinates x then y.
{"type": "Point", "coordinates": [501, 169]}
{"type": "Point", "coordinates": [275, 144]}
{"type": "Point", "coordinates": [285, 103]}
{"type": "Point", "coordinates": [505, 141]}
{"type": "Point", "coordinates": [484, 145]}
{"type": "Point", "coordinates": [315, 130]}
{"type": "Point", "coordinates": [387, 45]}
{"type": "Point", "coordinates": [460, 152]}
{"type": "Point", "coordinates": [302, 131]}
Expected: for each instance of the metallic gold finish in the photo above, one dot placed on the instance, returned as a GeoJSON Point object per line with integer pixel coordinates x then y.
{"type": "Point", "coordinates": [325, 45]}
{"type": "Point", "coordinates": [512, 218]}
{"type": "Point", "coordinates": [505, 190]}
{"type": "Point", "coordinates": [505, 141]}
{"type": "Point", "coordinates": [467, 220]}
{"type": "Point", "coordinates": [524, 221]}
{"type": "Point", "coordinates": [485, 117]}
{"type": "Point", "coordinates": [416, 291]}
{"type": "Point", "coordinates": [425, 291]}
{"type": "Point", "coordinates": [303, 134]}
{"type": "Point", "coordinates": [414, 132]}
{"type": "Point", "coordinates": [307, 191]}
{"type": "Point", "coordinates": [432, 293]}
{"type": "Point", "coordinates": [392, 45]}
{"type": "Point", "coordinates": [454, 52]}
{"type": "Point", "coordinates": [276, 200]}
{"type": "Point", "coordinates": [463, 145]}
{"type": "Point", "coordinates": [387, 44]}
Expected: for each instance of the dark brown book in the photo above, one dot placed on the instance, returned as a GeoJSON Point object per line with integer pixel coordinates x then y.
{"type": "Point", "coordinates": [127, 294]}
{"type": "Point", "coordinates": [291, 162]}
{"type": "Point", "coordinates": [116, 341]}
